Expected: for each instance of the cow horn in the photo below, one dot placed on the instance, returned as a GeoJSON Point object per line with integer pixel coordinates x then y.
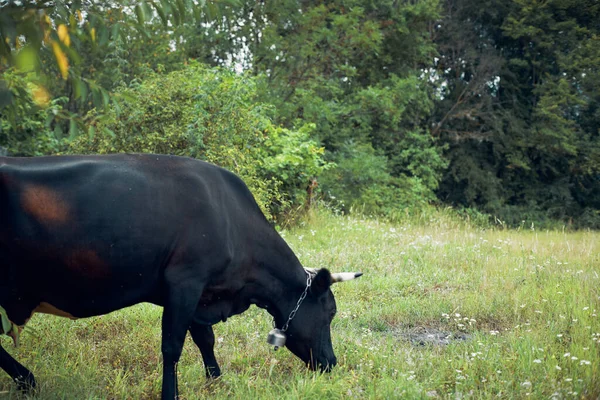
{"type": "Point", "coordinates": [344, 276]}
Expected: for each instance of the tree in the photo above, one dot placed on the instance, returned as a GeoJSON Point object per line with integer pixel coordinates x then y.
{"type": "Point", "coordinates": [351, 68]}
{"type": "Point", "coordinates": [82, 50]}
{"type": "Point", "coordinates": [516, 89]}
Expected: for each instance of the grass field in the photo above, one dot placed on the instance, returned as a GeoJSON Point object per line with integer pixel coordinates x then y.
{"type": "Point", "coordinates": [443, 310]}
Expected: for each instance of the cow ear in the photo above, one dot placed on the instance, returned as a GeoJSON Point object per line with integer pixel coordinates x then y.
{"type": "Point", "coordinates": [321, 282]}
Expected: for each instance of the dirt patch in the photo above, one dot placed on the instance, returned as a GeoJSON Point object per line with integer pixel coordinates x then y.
{"type": "Point", "coordinates": [421, 336]}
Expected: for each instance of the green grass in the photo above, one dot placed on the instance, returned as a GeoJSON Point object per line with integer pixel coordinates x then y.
{"type": "Point", "coordinates": [526, 304]}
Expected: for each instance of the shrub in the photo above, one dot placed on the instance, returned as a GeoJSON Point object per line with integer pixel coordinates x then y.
{"type": "Point", "coordinates": [294, 158]}
{"type": "Point", "coordinates": [27, 122]}
{"type": "Point", "coordinates": [210, 114]}
{"type": "Point", "coordinates": [360, 180]}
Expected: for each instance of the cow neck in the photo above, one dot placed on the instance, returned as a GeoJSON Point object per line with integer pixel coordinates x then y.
{"type": "Point", "coordinates": [279, 295]}
{"type": "Point", "coordinates": [281, 281]}
{"type": "Point", "coordinates": [292, 314]}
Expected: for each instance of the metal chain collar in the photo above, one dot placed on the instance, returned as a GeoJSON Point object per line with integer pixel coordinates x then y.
{"type": "Point", "coordinates": [300, 300]}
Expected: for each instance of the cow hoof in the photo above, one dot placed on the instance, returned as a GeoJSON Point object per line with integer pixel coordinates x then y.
{"type": "Point", "coordinates": [213, 372]}
{"type": "Point", "coordinates": [25, 384]}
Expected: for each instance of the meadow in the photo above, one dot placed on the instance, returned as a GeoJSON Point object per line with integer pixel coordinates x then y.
{"type": "Point", "coordinates": [444, 310]}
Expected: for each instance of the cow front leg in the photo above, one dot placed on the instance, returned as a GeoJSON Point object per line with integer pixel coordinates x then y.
{"type": "Point", "coordinates": [204, 337]}
{"type": "Point", "coordinates": [178, 312]}
{"type": "Point", "coordinates": [22, 376]}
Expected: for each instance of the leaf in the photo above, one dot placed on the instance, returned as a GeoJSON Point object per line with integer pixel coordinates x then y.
{"type": "Point", "coordinates": [176, 16]}
{"type": "Point", "coordinates": [63, 34]}
{"type": "Point", "coordinates": [104, 36]}
{"type": "Point", "coordinates": [40, 96]}
{"type": "Point", "coordinates": [58, 131]}
{"type": "Point", "coordinates": [105, 97]}
{"type": "Point", "coordinates": [61, 59]}
{"type": "Point", "coordinates": [181, 7]}
{"type": "Point", "coordinates": [115, 31]}
{"type": "Point", "coordinates": [6, 324]}
{"type": "Point", "coordinates": [81, 90]}
{"type": "Point", "coordinates": [73, 128]}
{"type": "Point", "coordinates": [161, 13]}
{"type": "Point", "coordinates": [147, 10]}
{"type": "Point", "coordinates": [27, 59]}
{"type": "Point", "coordinates": [109, 132]}
{"type": "Point", "coordinates": [116, 105]}
{"type": "Point", "coordinates": [198, 14]}
{"type": "Point", "coordinates": [96, 95]}
{"type": "Point", "coordinates": [140, 13]}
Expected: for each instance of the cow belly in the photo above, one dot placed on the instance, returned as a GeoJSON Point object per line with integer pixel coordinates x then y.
{"type": "Point", "coordinates": [46, 308]}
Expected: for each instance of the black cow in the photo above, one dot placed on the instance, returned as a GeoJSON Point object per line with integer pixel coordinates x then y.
{"type": "Point", "coordinates": [86, 235]}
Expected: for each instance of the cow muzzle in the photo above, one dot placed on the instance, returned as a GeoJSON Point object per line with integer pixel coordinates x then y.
{"type": "Point", "coordinates": [324, 365]}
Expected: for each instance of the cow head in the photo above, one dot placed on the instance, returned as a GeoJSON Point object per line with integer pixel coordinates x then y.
{"type": "Point", "coordinates": [308, 334]}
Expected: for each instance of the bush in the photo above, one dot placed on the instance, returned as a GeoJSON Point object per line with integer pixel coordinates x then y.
{"type": "Point", "coordinates": [294, 158]}
{"type": "Point", "coordinates": [27, 123]}
{"type": "Point", "coordinates": [210, 114]}
{"type": "Point", "coordinates": [360, 181]}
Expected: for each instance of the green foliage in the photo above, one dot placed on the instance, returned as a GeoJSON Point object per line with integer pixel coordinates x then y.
{"type": "Point", "coordinates": [392, 114]}
{"type": "Point", "coordinates": [80, 51]}
{"type": "Point", "coordinates": [5, 323]}
{"type": "Point", "coordinates": [28, 127]}
{"type": "Point", "coordinates": [292, 157]}
{"type": "Point", "coordinates": [353, 70]}
{"type": "Point", "coordinates": [210, 114]}
{"type": "Point", "coordinates": [518, 110]}
{"type": "Point", "coordinates": [492, 105]}
{"type": "Point", "coordinates": [360, 181]}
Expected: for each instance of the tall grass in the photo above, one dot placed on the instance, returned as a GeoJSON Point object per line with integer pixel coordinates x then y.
{"type": "Point", "coordinates": [443, 310]}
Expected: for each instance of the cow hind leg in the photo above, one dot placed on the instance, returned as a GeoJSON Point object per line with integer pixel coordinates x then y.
{"type": "Point", "coordinates": [22, 376]}
{"type": "Point", "coordinates": [204, 337]}
{"type": "Point", "coordinates": [181, 300]}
